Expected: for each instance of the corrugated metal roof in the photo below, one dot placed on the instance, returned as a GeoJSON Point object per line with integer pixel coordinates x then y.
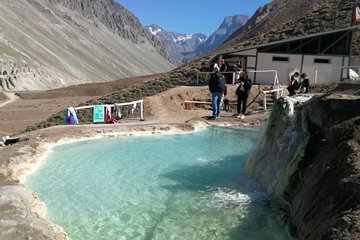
{"type": "Point", "coordinates": [287, 40]}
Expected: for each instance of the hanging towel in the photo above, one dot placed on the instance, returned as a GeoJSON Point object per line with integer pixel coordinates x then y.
{"type": "Point", "coordinates": [133, 108]}
{"type": "Point", "coordinates": [107, 114]}
{"type": "Point", "coordinates": [98, 113]}
{"type": "Point", "coordinates": [118, 111]}
{"type": "Point", "coordinates": [72, 118]}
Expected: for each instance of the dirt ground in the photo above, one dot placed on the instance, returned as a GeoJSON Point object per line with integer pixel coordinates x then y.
{"type": "Point", "coordinates": [20, 110]}
{"type": "Point", "coordinates": [28, 109]}
{"type": "Point", "coordinates": [164, 113]}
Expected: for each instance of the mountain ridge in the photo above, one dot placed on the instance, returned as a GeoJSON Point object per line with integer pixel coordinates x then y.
{"type": "Point", "coordinates": [229, 25]}
{"type": "Point", "coordinates": [177, 44]}
{"type": "Point", "coordinates": [196, 44]}
{"type": "Point", "coordinates": [50, 44]}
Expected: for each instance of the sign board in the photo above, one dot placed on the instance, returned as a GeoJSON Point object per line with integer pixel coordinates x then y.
{"type": "Point", "coordinates": [98, 113]}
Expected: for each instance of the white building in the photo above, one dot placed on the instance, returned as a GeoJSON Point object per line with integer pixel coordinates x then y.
{"type": "Point", "coordinates": [324, 57]}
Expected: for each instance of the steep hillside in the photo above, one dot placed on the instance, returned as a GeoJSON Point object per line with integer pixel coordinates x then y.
{"type": "Point", "coordinates": [230, 25]}
{"type": "Point", "coordinates": [51, 43]}
{"type": "Point", "coordinates": [325, 17]}
{"type": "Point", "coordinates": [272, 14]}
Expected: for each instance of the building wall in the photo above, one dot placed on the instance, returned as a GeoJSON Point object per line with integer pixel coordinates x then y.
{"type": "Point", "coordinates": [266, 62]}
{"type": "Point", "coordinates": [325, 72]}
{"type": "Point", "coordinates": [327, 68]}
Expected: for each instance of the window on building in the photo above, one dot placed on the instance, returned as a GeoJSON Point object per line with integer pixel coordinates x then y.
{"type": "Point", "coordinates": [322, 60]}
{"type": "Point", "coordinates": [280, 59]}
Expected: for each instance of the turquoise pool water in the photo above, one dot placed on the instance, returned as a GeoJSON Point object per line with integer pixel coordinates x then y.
{"type": "Point", "coordinates": [188, 186]}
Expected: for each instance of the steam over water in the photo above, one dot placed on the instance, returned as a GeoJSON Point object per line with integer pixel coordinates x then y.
{"type": "Point", "coordinates": [190, 186]}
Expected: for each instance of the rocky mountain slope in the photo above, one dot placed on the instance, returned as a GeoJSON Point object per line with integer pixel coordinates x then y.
{"type": "Point", "coordinates": [331, 15]}
{"type": "Point", "coordinates": [178, 45]}
{"type": "Point", "coordinates": [230, 25]}
{"type": "Point", "coordinates": [272, 14]}
{"type": "Point", "coordinates": [274, 22]}
{"type": "Point", "coordinates": [51, 43]}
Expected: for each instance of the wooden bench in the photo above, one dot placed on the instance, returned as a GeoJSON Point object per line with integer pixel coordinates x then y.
{"type": "Point", "coordinates": [188, 104]}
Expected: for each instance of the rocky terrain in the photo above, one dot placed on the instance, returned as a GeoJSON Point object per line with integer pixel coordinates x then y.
{"type": "Point", "coordinates": [47, 44]}
{"type": "Point", "coordinates": [276, 21]}
{"type": "Point", "coordinates": [230, 25]}
{"type": "Point", "coordinates": [273, 14]}
{"type": "Point", "coordinates": [324, 191]}
{"type": "Point", "coordinates": [309, 157]}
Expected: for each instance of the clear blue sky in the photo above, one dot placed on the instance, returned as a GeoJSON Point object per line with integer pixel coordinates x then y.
{"type": "Point", "coordinates": [189, 16]}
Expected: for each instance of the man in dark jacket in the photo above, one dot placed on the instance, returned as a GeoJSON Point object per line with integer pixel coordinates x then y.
{"type": "Point", "coordinates": [217, 87]}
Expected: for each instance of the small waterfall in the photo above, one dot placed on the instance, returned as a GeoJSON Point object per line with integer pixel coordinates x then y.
{"type": "Point", "coordinates": [276, 156]}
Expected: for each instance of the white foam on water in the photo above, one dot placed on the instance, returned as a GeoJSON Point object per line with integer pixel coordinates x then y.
{"type": "Point", "coordinates": [231, 198]}
{"type": "Point", "coordinates": [290, 102]}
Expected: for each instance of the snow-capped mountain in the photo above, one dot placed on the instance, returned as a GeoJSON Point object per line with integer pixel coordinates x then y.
{"type": "Point", "coordinates": [184, 47]}
{"type": "Point", "coordinates": [178, 45]}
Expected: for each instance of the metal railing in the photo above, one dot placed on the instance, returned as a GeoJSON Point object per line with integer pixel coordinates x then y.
{"type": "Point", "coordinates": [317, 70]}
{"type": "Point", "coordinates": [278, 91]}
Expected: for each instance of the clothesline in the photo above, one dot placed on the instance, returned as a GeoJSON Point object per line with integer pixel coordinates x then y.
{"type": "Point", "coordinates": [102, 112]}
{"type": "Point", "coordinates": [110, 105]}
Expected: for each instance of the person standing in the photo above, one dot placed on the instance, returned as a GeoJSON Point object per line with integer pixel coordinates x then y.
{"type": "Point", "coordinates": [243, 92]}
{"type": "Point", "coordinates": [217, 87]}
{"type": "Point", "coordinates": [223, 65]}
{"type": "Point", "coordinates": [224, 69]}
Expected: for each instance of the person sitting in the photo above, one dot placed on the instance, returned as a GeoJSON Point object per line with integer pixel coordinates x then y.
{"type": "Point", "coordinates": [305, 83]}
{"type": "Point", "coordinates": [293, 83]}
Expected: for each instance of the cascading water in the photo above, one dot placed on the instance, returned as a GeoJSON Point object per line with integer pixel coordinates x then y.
{"type": "Point", "coordinates": [275, 158]}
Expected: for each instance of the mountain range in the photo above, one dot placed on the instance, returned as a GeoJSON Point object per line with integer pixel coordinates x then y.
{"type": "Point", "coordinates": [48, 44]}
{"type": "Point", "coordinates": [177, 45]}
{"type": "Point", "coordinates": [182, 47]}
